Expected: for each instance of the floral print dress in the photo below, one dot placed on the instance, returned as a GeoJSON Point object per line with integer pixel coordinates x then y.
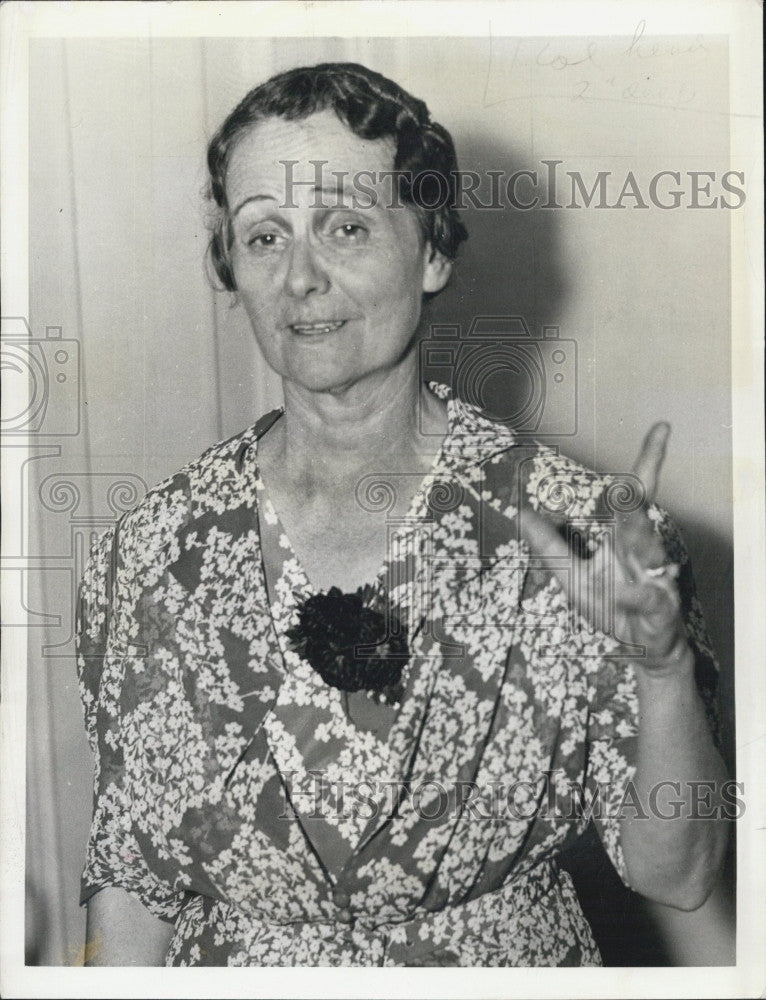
{"type": "Point", "coordinates": [278, 821]}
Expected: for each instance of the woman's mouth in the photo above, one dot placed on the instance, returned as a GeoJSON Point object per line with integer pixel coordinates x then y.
{"type": "Point", "coordinates": [319, 327]}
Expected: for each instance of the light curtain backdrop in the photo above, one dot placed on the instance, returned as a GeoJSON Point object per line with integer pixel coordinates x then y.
{"type": "Point", "coordinates": [118, 129]}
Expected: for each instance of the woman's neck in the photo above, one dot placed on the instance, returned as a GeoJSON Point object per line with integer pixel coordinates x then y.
{"type": "Point", "coordinates": [382, 422]}
{"type": "Point", "coordinates": [313, 461]}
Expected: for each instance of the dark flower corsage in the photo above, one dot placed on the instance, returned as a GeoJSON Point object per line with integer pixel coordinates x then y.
{"type": "Point", "coordinates": [351, 644]}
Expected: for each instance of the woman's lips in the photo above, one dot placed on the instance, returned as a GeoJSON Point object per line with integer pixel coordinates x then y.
{"type": "Point", "coordinates": [318, 327]}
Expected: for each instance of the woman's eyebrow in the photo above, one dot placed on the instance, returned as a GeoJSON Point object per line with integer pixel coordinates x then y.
{"type": "Point", "coordinates": [252, 197]}
{"type": "Point", "coordinates": [341, 192]}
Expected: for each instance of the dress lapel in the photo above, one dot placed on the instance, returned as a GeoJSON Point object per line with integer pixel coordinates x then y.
{"type": "Point", "coordinates": [457, 680]}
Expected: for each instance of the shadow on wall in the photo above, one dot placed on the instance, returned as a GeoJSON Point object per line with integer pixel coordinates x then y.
{"type": "Point", "coordinates": [509, 266]}
{"type": "Point", "coordinates": [713, 564]}
{"type": "Point", "coordinates": [35, 932]}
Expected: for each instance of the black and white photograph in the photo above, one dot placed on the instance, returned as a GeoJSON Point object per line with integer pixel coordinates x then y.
{"type": "Point", "coordinates": [383, 500]}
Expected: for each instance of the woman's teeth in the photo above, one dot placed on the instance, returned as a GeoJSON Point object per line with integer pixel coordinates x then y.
{"type": "Point", "coordinates": [318, 327]}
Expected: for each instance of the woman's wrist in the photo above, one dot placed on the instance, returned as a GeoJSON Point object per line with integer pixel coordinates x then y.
{"type": "Point", "coordinates": [677, 663]}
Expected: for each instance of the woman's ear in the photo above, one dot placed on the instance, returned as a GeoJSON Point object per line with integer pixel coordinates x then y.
{"type": "Point", "coordinates": [436, 271]}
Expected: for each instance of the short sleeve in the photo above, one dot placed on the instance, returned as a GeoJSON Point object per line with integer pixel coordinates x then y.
{"type": "Point", "coordinates": [93, 607]}
{"type": "Point", "coordinates": [117, 851]}
{"type": "Point", "coordinates": [613, 719]}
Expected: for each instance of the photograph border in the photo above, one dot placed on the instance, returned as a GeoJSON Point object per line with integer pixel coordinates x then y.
{"type": "Point", "coordinates": [740, 21]}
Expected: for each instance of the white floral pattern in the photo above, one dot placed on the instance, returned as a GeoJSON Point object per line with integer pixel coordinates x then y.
{"type": "Point", "coordinates": [210, 732]}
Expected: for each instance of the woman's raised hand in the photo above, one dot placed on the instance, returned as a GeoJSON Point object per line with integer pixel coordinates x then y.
{"type": "Point", "coordinates": [627, 584]}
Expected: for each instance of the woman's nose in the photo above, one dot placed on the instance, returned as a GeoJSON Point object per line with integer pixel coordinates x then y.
{"type": "Point", "coordinates": [304, 272]}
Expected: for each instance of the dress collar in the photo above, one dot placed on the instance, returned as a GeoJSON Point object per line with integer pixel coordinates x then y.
{"type": "Point", "coordinates": [471, 437]}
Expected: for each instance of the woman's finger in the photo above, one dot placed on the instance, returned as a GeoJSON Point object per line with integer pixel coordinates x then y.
{"type": "Point", "coordinates": [637, 539]}
{"type": "Point", "coordinates": [651, 457]}
{"type": "Point", "coordinates": [606, 587]}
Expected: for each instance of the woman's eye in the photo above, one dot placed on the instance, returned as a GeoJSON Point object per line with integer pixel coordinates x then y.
{"type": "Point", "coordinates": [263, 241]}
{"type": "Point", "coordinates": [351, 232]}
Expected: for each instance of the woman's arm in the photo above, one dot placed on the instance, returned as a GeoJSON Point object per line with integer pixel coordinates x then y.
{"type": "Point", "coordinates": [673, 854]}
{"type": "Point", "coordinates": [121, 931]}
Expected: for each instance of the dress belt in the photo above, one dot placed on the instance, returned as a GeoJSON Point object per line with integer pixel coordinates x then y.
{"type": "Point", "coordinates": [429, 938]}
{"type": "Point", "coordinates": [488, 924]}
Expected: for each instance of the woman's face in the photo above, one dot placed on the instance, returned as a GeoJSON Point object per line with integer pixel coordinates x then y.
{"type": "Point", "coordinates": [333, 288]}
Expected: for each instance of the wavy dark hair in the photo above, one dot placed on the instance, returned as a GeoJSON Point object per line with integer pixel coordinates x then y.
{"type": "Point", "coordinates": [373, 107]}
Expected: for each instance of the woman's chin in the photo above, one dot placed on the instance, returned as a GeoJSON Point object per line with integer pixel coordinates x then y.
{"type": "Point", "coordinates": [336, 379]}
{"type": "Point", "coordinates": [316, 380]}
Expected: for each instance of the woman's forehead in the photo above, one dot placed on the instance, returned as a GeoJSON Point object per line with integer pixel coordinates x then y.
{"type": "Point", "coordinates": [282, 155]}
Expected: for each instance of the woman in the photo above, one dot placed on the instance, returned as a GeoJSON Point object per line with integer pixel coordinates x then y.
{"type": "Point", "coordinates": [349, 675]}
